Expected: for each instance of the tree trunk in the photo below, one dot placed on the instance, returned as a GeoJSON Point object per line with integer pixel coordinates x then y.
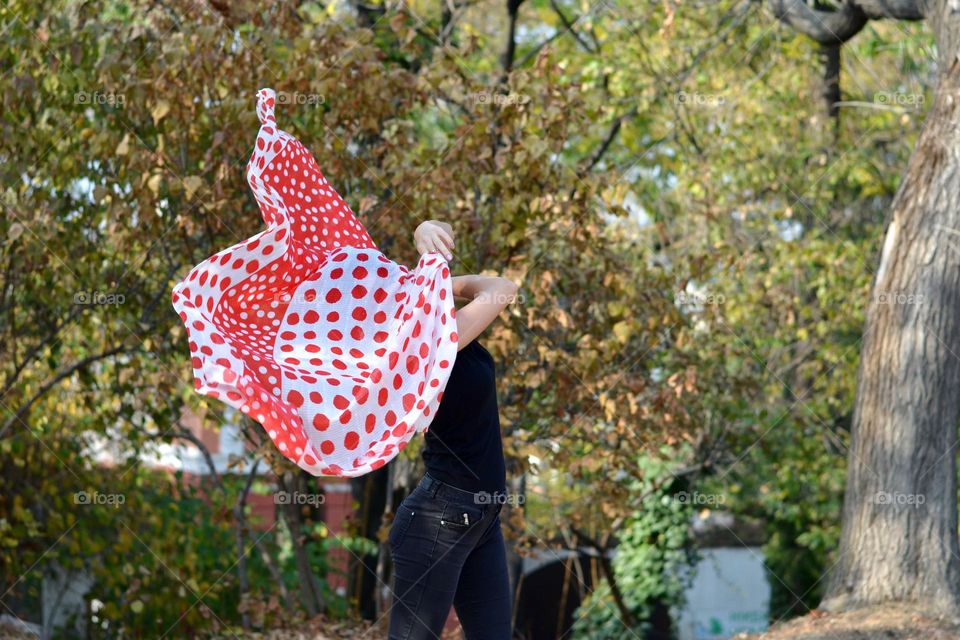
{"type": "Point", "coordinates": [370, 493]}
{"type": "Point", "coordinates": [239, 514]}
{"type": "Point", "coordinates": [829, 55]}
{"type": "Point", "coordinates": [292, 512]}
{"type": "Point", "coordinates": [830, 87]}
{"type": "Point", "coordinates": [899, 535]}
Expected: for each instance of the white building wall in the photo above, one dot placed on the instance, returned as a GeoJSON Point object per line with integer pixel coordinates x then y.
{"type": "Point", "coordinates": [729, 594]}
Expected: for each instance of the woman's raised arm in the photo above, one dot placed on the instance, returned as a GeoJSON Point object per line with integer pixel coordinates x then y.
{"type": "Point", "coordinates": [488, 295]}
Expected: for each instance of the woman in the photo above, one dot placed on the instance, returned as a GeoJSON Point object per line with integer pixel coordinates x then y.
{"type": "Point", "coordinates": [445, 540]}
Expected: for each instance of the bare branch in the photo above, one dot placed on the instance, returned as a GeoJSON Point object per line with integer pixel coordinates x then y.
{"type": "Point", "coordinates": [569, 25]}
{"type": "Point", "coordinates": [892, 9]}
{"type": "Point", "coordinates": [509, 53]}
{"type": "Point", "coordinates": [46, 386]}
{"type": "Point", "coordinates": [35, 350]}
{"type": "Point", "coordinates": [607, 566]}
{"type": "Point", "coordinates": [559, 33]}
{"type": "Point", "coordinates": [822, 25]}
{"type": "Point", "coordinates": [536, 50]}
{"type": "Point", "coordinates": [608, 140]}
{"type": "Point", "coordinates": [240, 515]}
{"type": "Point", "coordinates": [184, 433]}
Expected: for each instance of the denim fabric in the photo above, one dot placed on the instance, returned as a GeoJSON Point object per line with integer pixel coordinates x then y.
{"type": "Point", "coordinates": [448, 548]}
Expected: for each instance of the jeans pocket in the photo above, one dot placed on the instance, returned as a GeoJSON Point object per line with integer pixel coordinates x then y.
{"type": "Point", "coordinates": [401, 523]}
{"type": "Point", "coordinates": [460, 517]}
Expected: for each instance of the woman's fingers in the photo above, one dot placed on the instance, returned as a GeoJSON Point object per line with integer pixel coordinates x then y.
{"type": "Point", "coordinates": [430, 236]}
{"type": "Point", "coordinates": [447, 238]}
{"type": "Point", "coordinates": [448, 247]}
{"type": "Point", "coordinates": [433, 238]}
{"type": "Point", "coordinates": [441, 247]}
{"type": "Point", "coordinates": [434, 243]}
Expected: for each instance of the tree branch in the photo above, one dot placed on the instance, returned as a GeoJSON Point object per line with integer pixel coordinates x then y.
{"type": "Point", "coordinates": [513, 11]}
{"type": "Point", "coordinates": [240, 515]}
{"type": "Point", "coordinates": [569, 25]}
{"type": "Point", "coordinates": [607, 566]}
{"type": "Point", "coordinates": [559, 33]}
{"type": "Point", "coordinates": [184, 433]}
{"type": "Point", "coordinates": [608, 140]}
{"type": "Point", "coordinates": [45, 387]}
{"type": "Point", "coordinates": [892, 9]}
{"type": "Point", "coordinates": [28, 357]}
{"type": "Point", "coordinates": [529, 55]}
{"type": "Point", "coordinates": [822, 25]}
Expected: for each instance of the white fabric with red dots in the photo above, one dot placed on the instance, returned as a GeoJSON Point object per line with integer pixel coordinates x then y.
{"type": "Point", "coordinates": [339, 352]}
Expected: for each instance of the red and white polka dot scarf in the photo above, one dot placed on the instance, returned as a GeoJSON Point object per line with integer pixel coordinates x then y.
{"type": "Point", "coordinates": [339, 352]}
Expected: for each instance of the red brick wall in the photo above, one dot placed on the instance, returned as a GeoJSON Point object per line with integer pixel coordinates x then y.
{"type": "Point", "coordinates": [198, 427]}
{"type": "Point", "coordinates": [337, 508]}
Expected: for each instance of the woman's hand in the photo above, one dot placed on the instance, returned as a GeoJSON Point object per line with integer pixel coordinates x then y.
{"type": "Point", "coordinates": [433, 235]}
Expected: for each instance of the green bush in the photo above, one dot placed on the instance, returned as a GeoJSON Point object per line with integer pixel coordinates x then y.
{"type": "Point", "coordinates": [653, 561]}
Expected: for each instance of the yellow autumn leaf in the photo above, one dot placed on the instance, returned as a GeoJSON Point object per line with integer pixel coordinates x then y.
{"type": "Point", "coordinates": [15, 230]}
{"type": "Point", "coordinates": [616, 308]}
{"type": "Point", "coordinates": [622, 330]}
{"type": "Point", "coordinates": [159, 110]}
{"type": "Point", "coordinates": [192, 184]}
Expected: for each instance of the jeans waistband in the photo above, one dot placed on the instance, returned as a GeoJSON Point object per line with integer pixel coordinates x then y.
{"type": "Point", "coordinates": [436, 487]}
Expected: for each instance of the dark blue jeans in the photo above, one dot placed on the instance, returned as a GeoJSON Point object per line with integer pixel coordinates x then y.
{"type": "Point", "coordinates": [447, 548]}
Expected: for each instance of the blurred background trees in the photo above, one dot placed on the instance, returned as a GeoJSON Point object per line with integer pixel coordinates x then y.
{"type": "Point", "coordinates": [694, 233]}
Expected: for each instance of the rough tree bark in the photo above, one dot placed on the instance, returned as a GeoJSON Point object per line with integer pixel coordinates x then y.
{"type": "Point", "coordinates": [899, 529]}
{"type": "Point", "coordinates": [899, 537]}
